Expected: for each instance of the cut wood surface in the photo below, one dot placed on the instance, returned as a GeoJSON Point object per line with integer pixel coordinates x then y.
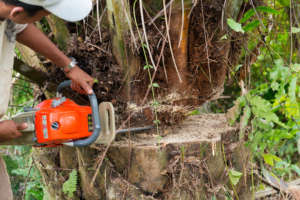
{"type": "Point", "coordinates": [197, 128]}
{"type": "Point", "coordinates": [150, 160]}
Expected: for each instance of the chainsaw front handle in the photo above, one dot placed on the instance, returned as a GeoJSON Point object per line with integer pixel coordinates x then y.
{"type": "Point", "coordinates": [63, 85]}
{"type": "Point", "coordinates": [95, 117]}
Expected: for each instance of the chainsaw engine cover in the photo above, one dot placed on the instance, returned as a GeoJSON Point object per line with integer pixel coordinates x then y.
{"type": "Point", "coordinates": [56, 123]}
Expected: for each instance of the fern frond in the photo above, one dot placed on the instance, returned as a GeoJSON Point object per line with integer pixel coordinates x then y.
{"type": "Point", "coordinates": [70, 186]}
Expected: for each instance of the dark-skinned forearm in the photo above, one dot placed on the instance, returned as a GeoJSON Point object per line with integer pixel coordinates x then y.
{"type": "Point", "coordinates": [38, 41]}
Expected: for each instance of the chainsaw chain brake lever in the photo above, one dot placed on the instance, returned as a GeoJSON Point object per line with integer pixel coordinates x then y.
{"type": "Point", "coordinates": [95, 116]}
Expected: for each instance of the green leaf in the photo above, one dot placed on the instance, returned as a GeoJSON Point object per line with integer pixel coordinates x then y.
{"type": "Point", "coordinates": [237, 27]}
{"type": "Point", "coordinates": [296, 169]}
{"type": "Point", "coordinates": [148, 67]}
{"type": "Point", "coordinates": [156, 122]}
{"type": "Point", "coordinates": [292, 89]}
{"type": "Point", "coordinates": [238, 67]}
{"type": "Point", "coordinates": [155, 103]}
{"type": "Point", "coordinates": [21, 172]}
{"type": "Point", "coordinates": [267, 9]}
{"type": "Point", "coordinates": [296, 67]}
{"type": "Point", "coordinates": [247, 15]}
{"type": "Point", "coordinates": [224, 37]}
{"type": "Point", "coordinates": [251, 12]}
{"type": "Point", "coordinates": [295, 30]}
{"type": "Point", "coordinates": [155, 85]}
{"type": "Point", "coordinates": [144, 45]}
{"type": "Point", "coordinates": [194, 112]}
{"type": "Point", "coordinates": [244, 120]}
{"type": "Point", "coordinates": [285, 3]}
{"type": "Point", "coordinates": [70, 186]}
{"type": "Point", "coordinates": [252, 25]}
{"type": "Point", "coordinates": [262, 108]}
{"type": "Point", "coordinates": [234, 112]}
{"type": "Point", "coordinates": [270, 158]}
{"type": "Point", "coordinates": [234, 176]}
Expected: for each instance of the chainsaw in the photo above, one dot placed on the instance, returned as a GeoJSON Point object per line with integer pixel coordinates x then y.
{"type": "Point", "coordinates": [60, 121]}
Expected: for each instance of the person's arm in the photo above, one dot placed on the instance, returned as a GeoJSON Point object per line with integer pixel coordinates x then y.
{"type": "Point", "coordinates": [10, 130]}
{"type": "Point", "coordinates": [36, 40]}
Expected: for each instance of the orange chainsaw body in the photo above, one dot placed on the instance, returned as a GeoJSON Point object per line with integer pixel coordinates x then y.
{"type": "Point", "coordinates": [68, 121]}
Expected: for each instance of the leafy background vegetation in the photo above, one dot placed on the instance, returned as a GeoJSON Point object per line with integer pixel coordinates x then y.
{"type": "Point", "coordinates": [25, 178]}
{"type": "Point", "coordinates": [267, 106]}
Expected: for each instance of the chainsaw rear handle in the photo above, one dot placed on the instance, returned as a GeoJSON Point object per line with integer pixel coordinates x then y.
{"type": "Point", "coordinates": [95, 116]}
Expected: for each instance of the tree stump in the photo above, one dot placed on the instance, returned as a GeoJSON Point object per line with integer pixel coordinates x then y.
{"type": "Point", "coordinates": [186, 163]}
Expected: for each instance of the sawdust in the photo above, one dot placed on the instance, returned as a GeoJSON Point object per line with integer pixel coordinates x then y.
{"type": "Point", "coordinates": [194, 129]}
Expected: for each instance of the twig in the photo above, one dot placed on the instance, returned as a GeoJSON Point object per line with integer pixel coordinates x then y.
{"type": "Point", "coordinates": [129, 24]}
{"type": "Point", "coordinates": [160, 13]}
{"type": "Point", "coordinates": [206, 45]}
{"type": "Point", "coordinates": [227, 170]}
{"type": "Point", "coordinates": [145, 32]}
{"type": "Point", "coordinates": [153, 76]}
{"type": "Point", "coordinates": [98, 20]}
{"type": "Point", "coordinates": [148, 15]}
{"type": "Point", "coordinates": [97, 47]}
{"type": "Point", "coordinates": [276, 188]}
{"type": "Point", "coordinates": [182, 22]}
{"type": "Point", "coordinates": [99, 164]}
{"type": "Point", "coordinates": [256, 13]}
{"type": "Point", "coordinates": [169, 40]}
{"type": "Point", "coordinates": [195, 2]}
{"type": "Point", "coordinates": [223, 14]}
{"type": "Point", "coordinates": [27, 177]}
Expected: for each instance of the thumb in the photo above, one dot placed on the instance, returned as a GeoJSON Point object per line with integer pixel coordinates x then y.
{"type": "Point", "coordinates": [22, 126]}
{"type": "Point", "coordinates": [86, 87]}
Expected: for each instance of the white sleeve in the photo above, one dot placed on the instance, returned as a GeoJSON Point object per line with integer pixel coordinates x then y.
{"type": "Point", "coordinates": [20, 27]}
{"type": "Point", "coordinates": [12, 29]}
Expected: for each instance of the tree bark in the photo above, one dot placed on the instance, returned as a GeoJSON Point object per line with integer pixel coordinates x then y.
{"type": "Point", "coordinates": [60, 31]}
{"type": "Point", "coordinates": [120, 24]}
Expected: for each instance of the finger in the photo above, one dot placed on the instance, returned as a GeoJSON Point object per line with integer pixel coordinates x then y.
{"type": "Point", "coordinates": [17, 134]}
{"type": "Point", "coordinates": [73, 85]}
{"type": "Point", "coordinates": [87, 88]}
{"type": "Point", "coordinates": [80, 90]}
{"type": "Point", "coordinates": [22, 126]}
{"type": "Point", "coordinates": [76, 87]}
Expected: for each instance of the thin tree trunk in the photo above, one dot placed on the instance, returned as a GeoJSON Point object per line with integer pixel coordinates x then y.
{"type": "Point", "coordinates": [120, 24]}
{"type": "Point", "coordinates": [60, 31]}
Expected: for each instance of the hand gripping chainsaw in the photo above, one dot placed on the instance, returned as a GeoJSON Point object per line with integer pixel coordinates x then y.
{"type": "Point", "coordinates": [60, 121]}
